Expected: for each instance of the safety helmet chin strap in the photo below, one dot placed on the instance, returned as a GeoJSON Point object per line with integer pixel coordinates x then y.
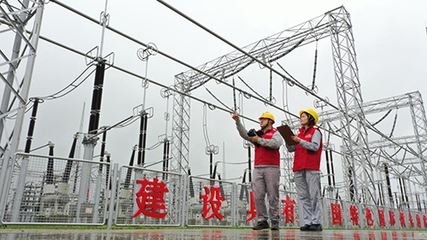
{"type": "Point", "coordinates": [268, 123]}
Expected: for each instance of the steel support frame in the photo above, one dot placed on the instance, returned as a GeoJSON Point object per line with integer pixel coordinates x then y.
{"type": "Point", "coordinates": [419, 122]}
{"type": "Point", "coordinates": [268, 50]}
{"type": "Point", "coordinates": [413, 169]}
{"type": "Point", "coordinates": [336, 24]}
{"type": "Point", "coordinates": [17, 16]}
{"type": "Point", "coordinates": [356, 157]}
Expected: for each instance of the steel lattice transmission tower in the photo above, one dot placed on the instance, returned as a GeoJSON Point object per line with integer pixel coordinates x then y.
{"type": "Point", "coordinates": [16, 68]}
{"type": "Point", "coordinates": [411, 167]}
{"type": "Point", "coordinates": [335, 24]}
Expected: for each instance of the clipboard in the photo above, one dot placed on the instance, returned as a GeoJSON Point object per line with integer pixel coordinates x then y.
{"type": "Point", "coordinates": [287, 133]}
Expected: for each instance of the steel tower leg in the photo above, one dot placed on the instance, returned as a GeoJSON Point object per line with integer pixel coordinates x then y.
{"type": "Point", "coordinates": [419, 121]}
{"type": "Point", "coordinates": [9, 156]}
{"type": "Point", "coordinates": [354, 129]}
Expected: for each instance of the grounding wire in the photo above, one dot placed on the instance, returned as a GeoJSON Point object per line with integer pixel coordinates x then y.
{"type": "Point", "coordinates": [247, 85]}
{"type": "Point", "coordinates": [285, 101]}
{"type": "Point", "coordinates": [382, 118]}
{"type": "Point", "coordinates": [394, 125]}
{"type": "Point", "coordinates": [156, 145]}
{"type": "Point", "coordinates": [213, 95]}
{"type": "Point", "coordinates": [71, 85]}
{"type": "Point", "coordinates": [128, 123]}
{"type": "Point", "coordinates": [101, 130]}
{"type": "Point", "coordinates": [205, 126]}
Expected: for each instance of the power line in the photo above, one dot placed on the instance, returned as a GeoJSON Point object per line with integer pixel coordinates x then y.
{"type": "Point", "coordinates": [291, 80]}
{"type": "Point", "coordinates": [172, 58]}
{"type": "Point", "coordinates": [246, 54]}
{"type": "Point", "coordinates": [141, 77]}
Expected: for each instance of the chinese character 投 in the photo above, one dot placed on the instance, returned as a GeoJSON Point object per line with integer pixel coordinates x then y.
{"type": "Point", "coordinates": [150, 198]}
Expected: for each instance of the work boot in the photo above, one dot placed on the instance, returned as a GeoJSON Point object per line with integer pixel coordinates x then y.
{"type": "Point", "coordinates": [261, 225]}
{"type": "Point", "coordinates": [306, 227]}
{"type": "Point", "coordinates": [274, 225]}
{"type": "Point", "coordinates": [316, 227]}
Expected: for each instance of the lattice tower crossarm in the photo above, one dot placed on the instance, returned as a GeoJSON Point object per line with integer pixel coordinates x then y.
{"type": "Point", "coordinates": [414, 166]}
{"type": "Point", "coordinates": [266, 50]}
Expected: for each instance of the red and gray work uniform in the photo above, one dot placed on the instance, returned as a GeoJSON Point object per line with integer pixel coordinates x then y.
{"type": "Point", "coordinates": [307, 173]}
{"type": "Point", "coordinates": [266, 172]}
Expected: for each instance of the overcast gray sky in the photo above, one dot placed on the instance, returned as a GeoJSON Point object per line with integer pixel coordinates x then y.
{"type": "Point", "coordinates": [390, 40]}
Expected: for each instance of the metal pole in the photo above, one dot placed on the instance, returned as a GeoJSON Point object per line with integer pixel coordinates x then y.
{"type": "Point", "coordinates": [327, 168]}
{"type": "Point", "coordinates": [129, 170]}
{"type": "Point", "coordinates": [112, 196]}
{"type": "Point", "coordinates": [89, 144]}
{"type": "Point", "coordinates": [165, 158]}
{"type": "Point", "coordinates": [191, 186]}
{"type": "Point", "coordinates": [99, 179]}
{"type": "Point", "coordinates": [24, 166]}
{"type": "Point", "coordinates": [142, 139]}
{"type": "Point", "coordinates": [49, 170]}
{"type": "Point", "coordinates": [249, 163]}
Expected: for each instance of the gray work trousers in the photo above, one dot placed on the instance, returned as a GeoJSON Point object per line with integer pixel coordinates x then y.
{"type": "Point", "coordinates": [266, 181]}
{"type": "Point", "coordinates": [307, 182]}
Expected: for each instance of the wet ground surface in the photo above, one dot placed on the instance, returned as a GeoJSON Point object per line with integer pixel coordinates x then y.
{"type": "Point", "coordinates": [206, 234]}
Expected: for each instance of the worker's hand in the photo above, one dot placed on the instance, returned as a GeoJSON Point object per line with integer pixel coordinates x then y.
{"type": "Point", "coordinates": [296, 139]}
{"type": "Point", "coordinates": [235, 116]}
{"type": "Point", "coordinates": [254, 139]}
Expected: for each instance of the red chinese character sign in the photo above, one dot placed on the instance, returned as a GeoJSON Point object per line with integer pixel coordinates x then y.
{"type": "Point", "coordinates": [411, 221]}
{"type": "Point", "coordinates": [252, 211]}
{"type": "Point", "coordinates": [336, 214]}
{"type": "Point", "coordinates": [392, 218]}
{"type": "Point", "coordinates": [354, 215]}
{"type": "Point", "coordinates": [150, 198]}
{"type": "Point", "coordinates": [425, 220]}
{"type": "Point", "coordinates": [288, 210]}
{"type": "Point", "coordinates": [214, 198]}
{"type": "Point", "coordinates": [418, 221]}
{"type": "Point", "coordinates": [369, 217]}
{"type": "Point", "coordinates": [402, 219]}
{"type": "Point", "coordinates": [381, 217]}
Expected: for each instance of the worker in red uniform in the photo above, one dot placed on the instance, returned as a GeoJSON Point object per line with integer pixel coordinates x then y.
{"type": "Point", "coordinates": [267, 169]}
{"type": "Point", "coordinates": [306, 169]}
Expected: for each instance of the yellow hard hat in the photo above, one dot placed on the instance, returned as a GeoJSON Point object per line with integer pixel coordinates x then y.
{"type": "Point", "coordinates": [267, 115]}
{"type": "Point", "coordinates": [312, 113]}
